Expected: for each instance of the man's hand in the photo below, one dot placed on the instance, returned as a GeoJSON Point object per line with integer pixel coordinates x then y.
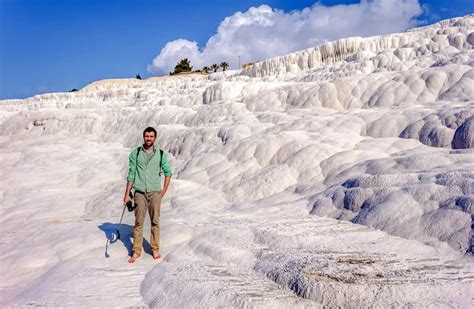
{"type": "Point", "coordinates": [126, 199]}
{"type": "Point", "coordinates": [165, 186]}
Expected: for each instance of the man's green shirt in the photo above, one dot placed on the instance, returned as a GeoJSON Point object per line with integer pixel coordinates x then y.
{"type": "Point", "coordinates": [145, 174]}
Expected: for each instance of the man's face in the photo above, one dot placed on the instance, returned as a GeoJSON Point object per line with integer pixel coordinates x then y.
{"type": "Point", "coordinates": [149, 139]}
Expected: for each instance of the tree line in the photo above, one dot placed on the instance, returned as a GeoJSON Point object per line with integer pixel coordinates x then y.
{"type": "Point", "coordinates": [184, 65]}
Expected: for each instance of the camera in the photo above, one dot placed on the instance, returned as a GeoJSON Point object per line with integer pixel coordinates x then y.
{"type": "Point", "coordinates": [131, 204]}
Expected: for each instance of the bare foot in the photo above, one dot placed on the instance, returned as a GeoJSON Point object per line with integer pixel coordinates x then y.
{"type": "Point", "coordinates": [156, 255]}
{"type": "Point", "coordinates": [133, 258]}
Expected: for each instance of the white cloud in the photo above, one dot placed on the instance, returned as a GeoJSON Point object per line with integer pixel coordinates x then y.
{"type": "Point", "coordinates": [262, 32]}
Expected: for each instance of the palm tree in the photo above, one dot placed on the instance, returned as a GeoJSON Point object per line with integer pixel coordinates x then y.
{"type": "Point", "coordinates": [205, 69]}
{"type": "Point", "coordinates": [215, 67]}
{"type": "Point", "coordinates": [224, 65]}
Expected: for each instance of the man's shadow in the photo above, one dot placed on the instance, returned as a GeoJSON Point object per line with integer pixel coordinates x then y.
{"type": "Point", "coordinates": [123, 232]}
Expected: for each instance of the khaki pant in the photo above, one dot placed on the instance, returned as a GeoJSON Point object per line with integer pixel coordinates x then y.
{"type": "Point", "coordinates": [151, 202]}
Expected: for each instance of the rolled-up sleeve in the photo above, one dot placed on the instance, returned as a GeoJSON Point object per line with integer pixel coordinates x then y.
{"type": "Point", "coordinates": [132, 165]}
{"type": "Point", "coordinates": [165, 166]}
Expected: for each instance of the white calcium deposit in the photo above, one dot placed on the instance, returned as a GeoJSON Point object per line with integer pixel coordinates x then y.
{"type": "Point", "coordinates": [337, 176]}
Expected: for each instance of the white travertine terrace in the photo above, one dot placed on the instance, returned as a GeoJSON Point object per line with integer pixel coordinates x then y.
{"type": "Point", "coordinates": [337, 176]}
{"type": "Point", "coordinates": [343, 49]}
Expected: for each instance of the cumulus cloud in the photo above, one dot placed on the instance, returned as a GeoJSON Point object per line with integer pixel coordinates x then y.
{"type": "Point", "coordinates": [263, 32]}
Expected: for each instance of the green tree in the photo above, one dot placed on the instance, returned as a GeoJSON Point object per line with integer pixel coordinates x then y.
{"type": "Point", "coordinates": [205, 69]}
{"type": "Point", "coordinates": [138, 76]}
{"type": "Point", "coordinates": [184, 65]}
{"type": "Point", "coordinates": [215, 67]}
{"type": "Point", "coordinates": [224, 65]}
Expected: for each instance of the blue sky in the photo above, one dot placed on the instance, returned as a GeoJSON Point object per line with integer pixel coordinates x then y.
{"type": "Point", "coordinates": [52, 45]}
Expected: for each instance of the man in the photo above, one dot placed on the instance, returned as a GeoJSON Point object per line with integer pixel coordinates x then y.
{"type": "Point", "coordinates": [144, 172]}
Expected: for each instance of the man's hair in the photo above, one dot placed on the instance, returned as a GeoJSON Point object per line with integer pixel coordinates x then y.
{"type": "Point", "coordinates": [149, 129]}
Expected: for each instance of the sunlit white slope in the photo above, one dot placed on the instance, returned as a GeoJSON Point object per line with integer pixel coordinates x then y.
{"type": "Point", "coordinates": [395, 51]}
{"type": "Point", "coordinates": [374, 131]}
